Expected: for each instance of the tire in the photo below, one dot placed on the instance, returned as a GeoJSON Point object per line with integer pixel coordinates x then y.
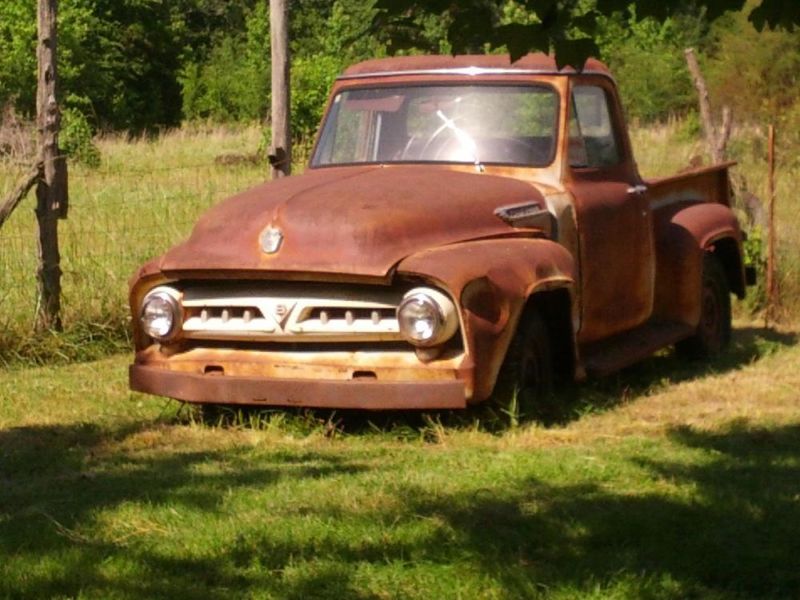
{"type": "Point", "coordinates": [526, 376]}
{"type": "Point", "coordinates": [713, 332]}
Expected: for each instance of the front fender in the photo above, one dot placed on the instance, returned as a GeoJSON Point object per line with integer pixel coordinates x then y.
{"type": "Point", "coordinates": [491, 280]}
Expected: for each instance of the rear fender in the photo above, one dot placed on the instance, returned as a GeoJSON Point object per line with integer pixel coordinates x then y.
{"type": "Point", "coordinates": [684, 234]}
{"type": "Point", "coordinates": [492, 280]}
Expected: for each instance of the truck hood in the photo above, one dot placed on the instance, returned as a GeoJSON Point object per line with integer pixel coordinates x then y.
{"type": "Point", "coordinates": [349, 220]}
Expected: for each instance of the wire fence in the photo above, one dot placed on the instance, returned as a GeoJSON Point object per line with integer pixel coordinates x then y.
{"type": "Point", "coordinates": [118, 219]}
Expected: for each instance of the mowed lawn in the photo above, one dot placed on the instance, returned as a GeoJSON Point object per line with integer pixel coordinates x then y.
{"type": "Point", "coordinates": [667, 481]}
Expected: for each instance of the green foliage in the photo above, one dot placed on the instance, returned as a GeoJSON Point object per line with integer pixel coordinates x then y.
{"type": "Point", "coordinates": [18, 54]}
{"type": "Point", "coordinates": [76, 140]}
{"type": "Point", "coordinates": [755, 256]}
{"type": "Point", "coordinates": [567, 28]}
{"type": "Point", "coordinates": [125, 56]}
{"type": "Point", "coordinates": [145, 64]}
{"type": "Point", "coordinates": [231, 83]}
{"type": "Point", "coordinates": [755, 73]}
{"type": "Point", "coordinates": [646, 57]}
{"type": "Point", "coordinates": [312, 79]}
{"type": "Point", "coordinates": [690, 127]}
{"type": "Point", "coordinates": [225, 88]}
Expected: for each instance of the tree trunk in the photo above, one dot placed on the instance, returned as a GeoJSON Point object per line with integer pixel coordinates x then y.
{"type": "Point", "coordinates": [51, 191]}
{"type": "Point", "coordinates": [280, 155]}
{"type": "Point", "coordinates": [717, 141]}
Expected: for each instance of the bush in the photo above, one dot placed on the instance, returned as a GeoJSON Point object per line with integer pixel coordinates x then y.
{"type": "Point", "coordinates": [232, 83]}
{"type": "Point", "coordinates": [647, 60]}
{"type": "Point", "coordinates": [312, 79]}
{"type": "Point", "coordinates": [76, 138]}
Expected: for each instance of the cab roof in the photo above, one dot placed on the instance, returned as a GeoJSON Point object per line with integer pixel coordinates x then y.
{"type": "Point", "coordinates": [465, 64]}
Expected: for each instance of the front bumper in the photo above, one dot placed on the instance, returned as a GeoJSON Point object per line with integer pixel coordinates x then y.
{"type": "Point", "coordinates": [322, 393]}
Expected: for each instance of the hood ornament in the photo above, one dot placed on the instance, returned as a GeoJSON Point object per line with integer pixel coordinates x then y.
{"type": "Point", "coordinates": [271, 239]}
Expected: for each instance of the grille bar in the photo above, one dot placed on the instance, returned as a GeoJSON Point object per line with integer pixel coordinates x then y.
{"type": "Point", "coordinates": [293, 313]}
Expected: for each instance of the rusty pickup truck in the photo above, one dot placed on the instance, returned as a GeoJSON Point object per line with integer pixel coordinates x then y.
{"type": "Point", "coordinates": [467, 227]}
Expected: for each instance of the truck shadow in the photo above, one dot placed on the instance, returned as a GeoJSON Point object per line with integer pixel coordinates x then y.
{"type": "Point", "coordinates": [572, 401]}
{"type": "Point", "coordinates": [568, 403]}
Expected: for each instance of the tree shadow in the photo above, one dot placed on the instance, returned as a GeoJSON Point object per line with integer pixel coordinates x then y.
{"type": "Point", "coordinates": [568, 403]}
{"type": "Point", "coordinates": [735, 536]}
{"type": "Point", "coordinates": [721, 520]}
{"type": "Point", "coordinates": [56, 480]}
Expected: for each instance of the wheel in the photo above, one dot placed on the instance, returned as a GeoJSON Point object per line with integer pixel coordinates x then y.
{"type": "Point", "coordinates": [526, 376]}
{"type": "Point", "coordinates": [713, 332]}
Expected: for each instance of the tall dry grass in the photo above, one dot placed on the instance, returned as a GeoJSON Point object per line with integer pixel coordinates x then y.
{"type": "Point", "coordinates": [666, 148]}
{"type": "Point", "coordinates": [144, 197]}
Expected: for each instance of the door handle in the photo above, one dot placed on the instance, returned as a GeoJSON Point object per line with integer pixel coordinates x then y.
{"type": "Point", "coordinates": [639, 189]}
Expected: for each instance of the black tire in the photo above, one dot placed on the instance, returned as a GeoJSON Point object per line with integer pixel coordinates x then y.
{"type": "Point", "coordinates": [713, 333]}
{"type": "Point", "coordinates": [526, 376]}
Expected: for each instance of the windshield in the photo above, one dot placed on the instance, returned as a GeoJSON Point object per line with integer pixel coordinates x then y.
{"type": "Point", "coordinates": [479, 124]}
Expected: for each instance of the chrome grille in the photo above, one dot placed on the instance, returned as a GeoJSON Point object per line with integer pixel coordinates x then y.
{"type": "Point", "coordinates": [290, 312]}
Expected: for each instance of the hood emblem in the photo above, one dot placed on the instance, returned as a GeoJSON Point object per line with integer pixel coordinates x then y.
{"type": "Point", "coordinates": [279, 311]}
{"type": "Point", "coordinates": [271, 239]}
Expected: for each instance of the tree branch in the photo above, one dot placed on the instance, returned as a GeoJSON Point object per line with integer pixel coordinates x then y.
{"type": "Point", "coordinates": [18, 194]}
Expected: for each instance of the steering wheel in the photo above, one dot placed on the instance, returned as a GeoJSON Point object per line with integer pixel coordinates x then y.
{"type": "Point", "coordinates": [441, 138]}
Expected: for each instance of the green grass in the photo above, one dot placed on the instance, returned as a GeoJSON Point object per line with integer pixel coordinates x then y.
{"type": "Point", "coordinates": [675, 480]}
{"type": "Point", "coordinates": [144, 198]}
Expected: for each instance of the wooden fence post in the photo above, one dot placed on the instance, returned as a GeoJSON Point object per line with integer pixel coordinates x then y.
{"type": "Point", "coordinates": [280, 154]}
{"type": "Point", "coordinates": [773, 297]}
{"type": "Point", "coordinates": [51, 191]}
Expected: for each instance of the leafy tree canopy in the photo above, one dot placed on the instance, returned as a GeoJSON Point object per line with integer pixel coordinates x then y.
{"type": "Point", "coordinates": [566, 28]}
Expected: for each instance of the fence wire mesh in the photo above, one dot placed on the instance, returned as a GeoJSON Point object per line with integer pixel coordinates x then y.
{"type": "Point", "coordinates": [118, 219]}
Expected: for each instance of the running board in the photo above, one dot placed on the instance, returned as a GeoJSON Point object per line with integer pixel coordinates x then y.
{"type": "Point", "coordinates": [622, 350]}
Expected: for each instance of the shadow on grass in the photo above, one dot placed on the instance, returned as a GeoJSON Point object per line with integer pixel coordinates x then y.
{"type": "Point", "coordinates": [569, 403]}
{"type": "Point", "coordinates": [722, 522]}
{"type": "Point", "coordinates": [735, 538]}
{"type": "Point", "coordinates": [748, 345]}
{"type": "Point", "coordinates": [57, 480]}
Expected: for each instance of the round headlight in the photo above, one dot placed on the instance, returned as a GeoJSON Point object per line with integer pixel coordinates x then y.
{"type": "Point", "coordinates": [426, 317]}
{"type": "Point", "coordinates": [161, 315]}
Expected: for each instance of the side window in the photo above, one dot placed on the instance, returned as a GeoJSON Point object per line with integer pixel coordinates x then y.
{"type": "Point", "coordinates": [592, 139]}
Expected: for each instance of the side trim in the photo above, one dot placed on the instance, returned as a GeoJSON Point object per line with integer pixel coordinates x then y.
{"type": "Point", "coordinates": [469, 72]}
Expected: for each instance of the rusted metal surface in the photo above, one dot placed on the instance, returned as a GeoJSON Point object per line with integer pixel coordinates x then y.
{"type": "Point", "coordinates": [493, 279]}
{"type": "Point", "coordinates": [622, 255]}
{"type": "Point", "coordinates": [538, 63]}
{"type": "Point", "coordinates": [315, 393]}
{"type": "Point", "coordinates": [356, 220]}
{"type": "Point", "coordinates": [772, 281]}
{"type": "Point", "coordinates": [622, 350]}
{"type": "Point", "coordinates": [703, 184]}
